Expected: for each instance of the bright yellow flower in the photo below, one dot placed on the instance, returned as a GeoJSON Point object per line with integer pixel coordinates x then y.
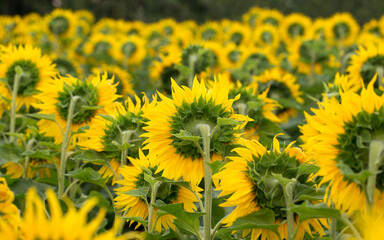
{"type": "Point", "coordinates": [73, 224]}
{"type": "Point", "coordinates": [341, 29]}
{"type": "Point", "coordinates": [97, 96]}
{"type": "Point", "coordinates": [182, 114]}
{"type": "Point", "coordinates": [243, 180]}
{"type": "Point", "coordinates": [368, 61]}
{"type": "Point", "coordinates": [133, 206]}
{"type": "Point", "coordinates": [338, 135]}
{"type": "Point", "coordinates": [296, 26]}
{"type": "Point", "coordinates": [37, 72]}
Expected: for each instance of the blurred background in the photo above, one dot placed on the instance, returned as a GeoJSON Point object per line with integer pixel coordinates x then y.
{"type": "Point", "coordinates": [198, 10]}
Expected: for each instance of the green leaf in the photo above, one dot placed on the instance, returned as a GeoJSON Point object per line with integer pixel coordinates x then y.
{"type": "Point", "coordinates": [360, 178]}
{"type": "Point", "coordinates": [262, 219]}
{"type": "Point", "coordinates": [188, 218]}
{"type": "Point", "coordinates": [88, 175]}
{"type": "Point", "coordinates": [50, 117]}
{"type": "Point", "coordinates": [90, 156]}
{"type": "Point", "coordinates": [168, 234]}
{"type": "Point", "coordinates": [41, 154]}
{"type": "Point", "coordinates": [84, 107]}
{"type": "Point", "coordinates": [123, 146]}
{"type": "Point", "coordinates": [9, 152]}
{"type": "Point", "coordinates": [108, 118]}
{"type": "Point", "coordinates": [151, 180]}
{"type": "Point", "coordinates": [305, 192]}
{"type": "Point", "coordinates": [184, 227]}
{"type": "Point", "coordinates": [308, 210]}
{"type": "Point", "coordinates": [185, 135]}
{"type": "Point", "coordinates": [21, 187]}
{"type": "Point", "coordinates": [227, 121]}
{"type": "Point", "coordinates": [306, 169]}
{"type": "Point", "coordinates": [140, 192]}
{"type": "Point", "coordinates": [216, 166]}
{"type": "Point", "coordinates": [137, 219]}
{"type": "Point", "coordinates": [282, 180]}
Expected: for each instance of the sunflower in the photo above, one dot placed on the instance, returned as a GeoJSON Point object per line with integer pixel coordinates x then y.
{"type": "Point", "coordinates": [238, 33]}
{"type": "Point", "coordinates": [368, 61]}
{"type": "Point", "coordinates": [304, 53]}
{"type": "Point", "coordinates": [248, 180]}
{"type": "Point", "coordinates": [36, 166]}
{"type": "Point", "coordinates": [283, 88]}
{"type": "Point", "coordinates": [340, 83]}
{"type": "Point", "coordinates": [210, 31]}
{"type": "Point", "coordinates": [372, 27]}
{"type": "Point", "coordinates": [130, 50]}
{"type": "Point", "coordinates": [232, 56]}
{"type": "Point", "coordinates": [96, 96]}
{"type": "Point", "coordinates": [267, 36]}
{"type": "Point", "coordinates": [251, 16]}
{"type": "Point", "coordinates": [296, 26]}
{"type": "Point", "coordinates": [66, 65]}
{"type": "Point", "coordinates": [73, 224]}
{"type": "Point", "coordinates": [182, 115]}
{"type": "Point", "coordinates": [257, 106]}
{"type": "Point", "coordinates": [269, 17]}
{"type": "Point", "coordinates": [165, 68]}
{"type": "Point", "coordinates": [120, 77]}
{"type": "Point", "coordinates": [341, 29]}
{"type": "Point", "coordinates": [101, 48]}
{"type": "Point", "coordinates": [62, 23]}
{"type": "Point", "coordinates": [338, 135]}
{"type": "Point", "coordinates": [370, 225]}
{"type": "Point", "coordinates": [198, 56]}
{"type": "Point", "coordinates": [10, 216]}
{"type": "Point", "coordinates": [133, 206]}
{"type": "Point", "coordinates": [127, 123]}
{"type": "Point", "coordinates": [256, 62]}
{"type": "Point", "coordinates": [319, 28]}
{"type": "Point", "coordinates": [37, 72]}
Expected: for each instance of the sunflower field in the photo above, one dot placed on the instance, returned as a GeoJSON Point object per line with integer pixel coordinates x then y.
{"type": "Point", "coordinates": [267, 128]}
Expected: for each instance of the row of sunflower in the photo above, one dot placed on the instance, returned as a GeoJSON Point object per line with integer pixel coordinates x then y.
{"type": "Point", "coordinates": [268, 128]}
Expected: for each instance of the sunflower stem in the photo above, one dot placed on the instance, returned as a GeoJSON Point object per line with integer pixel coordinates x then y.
{"type": "Point", "coordinates": [376, 148]}
{"type": "Point", "coordinates": [380, 75]}
{"type": "Point", "coordinates": [27, 158]}
{"type": "Point", "coordinates": [192, 62]}
{"type": "Point", "coordinates": [217, 227]}
{"type": "Point", "coordinates": [288, 191]}
{"type": "Point", "coordinates": [125, 137]}
{"type": "Point", "coordinates": [346, 221]}
{"type": "Point", "coordinates": [16, 82]}
{"type": "Point", "coordinates": [151, 207]}
{"type": "Point", "coordinates": [64, 147]}
{"type": "Point", "coordinates": [333, 234]}
{"type": "Point", "coordinates": [205, 133]}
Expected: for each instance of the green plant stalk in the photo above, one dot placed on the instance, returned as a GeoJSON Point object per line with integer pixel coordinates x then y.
{"type": "Point", "coordinates": [288, 190]}
{"type": "Point", "coordinates": [151, 207]}
{"type": "Point", "coordinates": [64, 147]}
{"type": "Point", "coordinates": [333, 234]}
{"type": "Point", "coordinates": [205, 133]}
{"type": "Point", "coordinates": [125, 137]}
{"type": "Point", "coordinates": [27, 158]}
{"type": "Point", "coordinates": [191, 75]}
{"type": "Point", "coordinates": [346, 221]}
{"type": "Point", "coordinates": [16, 82]}
{"type": "Point", "coordinates": [313, 65]}
{"type": "Point", "coordinates": [376, 148]}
